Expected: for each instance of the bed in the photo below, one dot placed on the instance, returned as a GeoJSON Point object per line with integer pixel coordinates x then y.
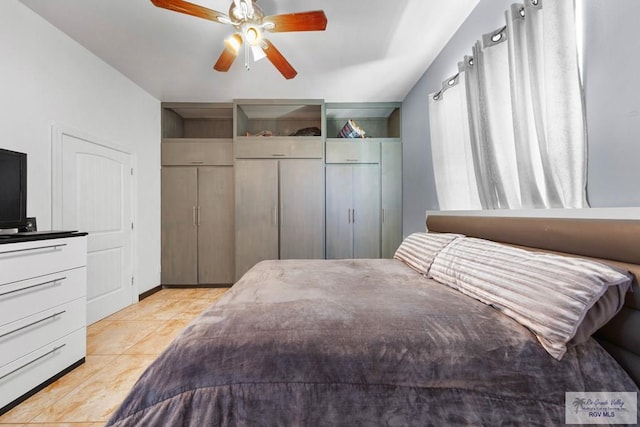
{"type": "Point", "coordinates": [382, 342]}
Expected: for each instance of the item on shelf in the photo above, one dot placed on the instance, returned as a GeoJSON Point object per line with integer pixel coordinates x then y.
{"type": "Point", "coordinates": [261, 133]}
{"type": "Point", "coordinates": [310, 131]}
{"type": "Point", "coordinates": [351, 130]}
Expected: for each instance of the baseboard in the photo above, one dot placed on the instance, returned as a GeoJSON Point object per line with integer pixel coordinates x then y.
{"type": "Point", "coordinates": [215, 286]}
{"type": "Point", "coordinates": [149, 292]}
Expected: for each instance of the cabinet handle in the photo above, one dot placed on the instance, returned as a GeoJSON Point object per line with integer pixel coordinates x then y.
{"type": "Point", "coordinates": [195, 224]}
{"type": "Point", "coordinates": [278, 155]}
{"type": "Point", "coordinates": [34, 286]}
{"type": "Point", "coordinates": [353, 216]}
{"type": "Point", "coordinates": [197, 162]}
{"type": "Point", "coordinates": [54, 247]}
{"type": "Point", "coordinates": [350, 160]}
{"type": "Point", "coordinates": [349, 216]}
{"type": "Point", "coordinates": [383, 216]}
{"type": "Point", "coordinates": [33, 323]}
{"type": "Point", "coordinates": [33, 361]}
{"type": "Point", "coordinates": [275, 216]}
{"type": "Point", "coordinates": [198, 216]}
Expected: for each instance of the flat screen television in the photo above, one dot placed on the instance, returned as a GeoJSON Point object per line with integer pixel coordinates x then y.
{"type": "Point", "coordinates": [13, 189]}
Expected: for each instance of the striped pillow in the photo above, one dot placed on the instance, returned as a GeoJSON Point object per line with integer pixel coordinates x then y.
{"type": "Point", "coordinates": [419, 249]}
{"type": "Point", "coordinates": [547, 293]}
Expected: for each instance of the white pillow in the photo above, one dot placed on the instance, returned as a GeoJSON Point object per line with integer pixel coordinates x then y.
{"type": "Point", "coordinates": [419, 249]}
{"type": "Point", "coordinates": [547, 293]}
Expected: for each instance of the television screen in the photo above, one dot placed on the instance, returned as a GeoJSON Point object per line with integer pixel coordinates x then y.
{"type": "Point", "coordinates": [13, 189]}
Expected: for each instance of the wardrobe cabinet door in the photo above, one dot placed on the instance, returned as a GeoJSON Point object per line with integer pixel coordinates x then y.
{"type": "Point", "coordinates": [366, 211]}
{"type": "Point", "coordinates": [216, 235]}
{"type": "Point", "coordinates": [391, 190]}
{"type": "Point", "coordinates": [339, 208]}
{"type": "Point", "coordinates": [301, 209]}
{"type": "Point", "coordinates": [256, 199]}
{"type": "Point", "coordinates": [179, 202]}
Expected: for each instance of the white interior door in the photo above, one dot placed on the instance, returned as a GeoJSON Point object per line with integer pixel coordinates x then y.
{"type": "Point", "coordinates": [95, 196]}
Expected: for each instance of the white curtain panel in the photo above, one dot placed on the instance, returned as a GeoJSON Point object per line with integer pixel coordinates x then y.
{"type": "Point", "coordinates": [490, 104]}
{"type": "Point", "coordinates": [524, 107]}
{"type": "Point", "coordinates": [564, 117]}
{"type": "Point", "coordinates": [453, 164]}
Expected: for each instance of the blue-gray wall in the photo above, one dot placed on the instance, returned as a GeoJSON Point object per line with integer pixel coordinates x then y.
{"type": "Point", "coordinates": [612, 93]}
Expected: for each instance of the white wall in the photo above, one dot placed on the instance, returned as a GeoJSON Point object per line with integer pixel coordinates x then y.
{"type": "Point", "coordinates": [47, 78]}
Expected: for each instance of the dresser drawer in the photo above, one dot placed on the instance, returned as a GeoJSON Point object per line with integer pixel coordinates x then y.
{"type": "Point", "coordinates": [28, 334]}
{"type": "Point", "coordinates": [24, 260]}
{"type": "Point", "coordinates": [27, 297]}
{"type": "Point", "coordinates": [31, 370]}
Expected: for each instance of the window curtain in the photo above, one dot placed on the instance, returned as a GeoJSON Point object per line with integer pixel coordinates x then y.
{"type": "Point", "coordinates": [453, 162]}
{"type": "Point", "coordinates": [508, 131]}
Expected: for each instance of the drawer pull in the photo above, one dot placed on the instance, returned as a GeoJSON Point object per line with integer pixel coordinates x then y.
{"type": "Point", "coordinates": [60, 279]}
{"type": "Point", "coordinates": [33, 361]}
{"type": "Point", "coordinates": [54, 247]}
{"type": "Point", "coordinates": [351, 160]}
{"type": "Point", "coordinates": [33, 323]}
{"type": "Point", "coordinates": [278, 155]}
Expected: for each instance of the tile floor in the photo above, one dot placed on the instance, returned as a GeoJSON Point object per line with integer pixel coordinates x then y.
{"type": "Point", "coordinates": [119, 348]}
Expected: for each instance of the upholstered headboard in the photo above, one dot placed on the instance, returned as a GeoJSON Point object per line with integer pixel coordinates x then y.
{"type": "Point", "coordinates": [613, 241]}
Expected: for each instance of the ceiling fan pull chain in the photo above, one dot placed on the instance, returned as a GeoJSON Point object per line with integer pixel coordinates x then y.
{"type": "Point", "coordinates": [246, 57]}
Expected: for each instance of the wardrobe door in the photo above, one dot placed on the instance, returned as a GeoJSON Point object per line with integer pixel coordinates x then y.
{"type": "Point", "coordinates": [301, 209]}
{"type": "Point", "coordinates": [216, 234]}
{"type": "Point", "coordinates": [179, 201]}
{"type": "Point", "coordinates": [391, 190]}
{"type": "Point", "coordinates": [256, 199]}
{"type": "Point", "coordinates": [339, 201]}
{"type": "Point", "coordinates": [366, 211]}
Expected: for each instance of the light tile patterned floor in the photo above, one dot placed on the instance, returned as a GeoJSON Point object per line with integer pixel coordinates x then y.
{"type": "Point", "coordinates": [119, 348]}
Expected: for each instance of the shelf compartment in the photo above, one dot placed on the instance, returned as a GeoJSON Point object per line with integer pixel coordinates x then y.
{"type": "Point", "coordinates": [278, 118]}
{"type": "Point", "coordinates": [378, 120]}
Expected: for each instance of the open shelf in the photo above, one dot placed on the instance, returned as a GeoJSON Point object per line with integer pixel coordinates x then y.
{"type": "Point", "coordinates": [197, 120]}
{"type": "Point", "coordinates": [278, 118]}
{"type": "Point", "coordinates": [378, 120]}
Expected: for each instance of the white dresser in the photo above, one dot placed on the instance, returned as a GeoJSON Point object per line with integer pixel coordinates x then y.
{"type": "Point", "coordinates": [42, 312]}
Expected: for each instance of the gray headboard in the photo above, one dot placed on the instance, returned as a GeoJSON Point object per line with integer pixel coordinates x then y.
{"type": "Point", "coordinates": [616, 242]}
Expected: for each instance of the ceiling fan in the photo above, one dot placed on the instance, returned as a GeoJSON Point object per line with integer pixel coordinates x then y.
{"type": "Point", "coordinates": [251, 24]}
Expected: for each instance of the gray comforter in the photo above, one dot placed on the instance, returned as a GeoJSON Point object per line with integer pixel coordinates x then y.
{"type": "Point", "coordinates": [358, 342]}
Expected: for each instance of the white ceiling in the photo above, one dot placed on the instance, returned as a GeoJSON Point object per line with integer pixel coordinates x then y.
{"type": "Point", "coordinates": [372, 50]}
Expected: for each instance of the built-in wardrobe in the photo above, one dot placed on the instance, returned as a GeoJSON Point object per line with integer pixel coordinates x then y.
{"type": "Point", "coordinates": [269, 179]}
{"type": "Point", "coordinates": [279, 179]}
{"type": "Point", "coordinates": [197, 195]}
{"type": "Point", "coordinates": [363, 181]}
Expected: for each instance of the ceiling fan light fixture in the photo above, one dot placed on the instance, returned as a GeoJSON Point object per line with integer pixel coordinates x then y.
{"type": "Point", "coordinates": [252, 35]}
{"type": "Point", "coordinates": [233, 43]}
{"type": "Point", "coordinates": [257, 53]}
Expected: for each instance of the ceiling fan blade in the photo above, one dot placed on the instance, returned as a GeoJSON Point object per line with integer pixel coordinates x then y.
{"type": "Point", "coordinates": [225, 60]}
{"type": "Point", "coordinates": [302, 21]}
{"type": "Point", "coordinates": [193, 10]}
{"type": "Point", "coordinates": [278, 60]}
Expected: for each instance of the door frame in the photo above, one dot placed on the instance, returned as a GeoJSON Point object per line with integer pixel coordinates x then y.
{"type": "Point", "coordinates": [57, 134]}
